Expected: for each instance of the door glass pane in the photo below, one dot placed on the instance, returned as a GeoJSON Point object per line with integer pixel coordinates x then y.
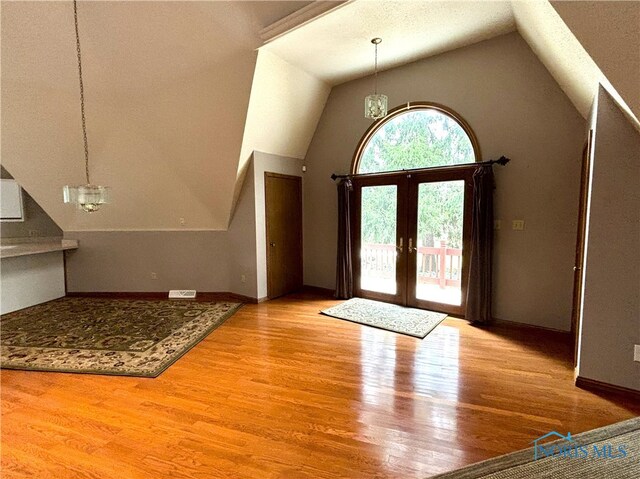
{"type": "Point", "coordinates": [439, 242]}
{"type": "Point", "coordinates": [378, 238]}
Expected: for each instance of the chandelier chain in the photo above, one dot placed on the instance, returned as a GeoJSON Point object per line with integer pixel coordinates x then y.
{"type": "Point", "coordinates": [84, 121]}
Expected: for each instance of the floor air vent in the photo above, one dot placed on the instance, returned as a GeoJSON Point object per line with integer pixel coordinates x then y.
{"type": "Point", "coordinates": [182, 294]}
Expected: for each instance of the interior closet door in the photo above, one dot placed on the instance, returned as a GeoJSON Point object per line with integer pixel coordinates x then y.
{"type": "Point", "coordinates": [283, 213]}
{"type": "Point", "coordinates": [580, 245]}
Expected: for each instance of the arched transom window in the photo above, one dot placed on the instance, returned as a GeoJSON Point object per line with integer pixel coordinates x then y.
{"type": "Point", "coordinates": [413, 136]}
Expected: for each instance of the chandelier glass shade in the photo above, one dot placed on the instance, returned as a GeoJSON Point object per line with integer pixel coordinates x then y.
{"type": "Point", "coordinates": [375, 105]}
{"type": "Point", "coordinates": [87, 197]}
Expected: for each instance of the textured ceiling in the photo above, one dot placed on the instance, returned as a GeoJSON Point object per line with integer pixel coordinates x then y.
{"type": "Point", "coordinates": [128, 47]}
{"type": "Point", "coordinates": [615, 50]}
{"type": "Point", "coordinates": [336, 47]}
{"type": "Point", "coordinates": [566, 58]}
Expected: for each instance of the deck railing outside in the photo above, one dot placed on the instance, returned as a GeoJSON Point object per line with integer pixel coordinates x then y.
{"type": "Point", "coordinates": [439, 265]}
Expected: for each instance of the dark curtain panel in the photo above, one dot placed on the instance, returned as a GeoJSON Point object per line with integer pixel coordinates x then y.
{"type": "Point", "coordinates": [344, 269]}
{"type": "Point", "coordinates": [479, 289]}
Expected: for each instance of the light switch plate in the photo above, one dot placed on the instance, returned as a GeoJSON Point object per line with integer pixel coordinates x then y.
{"type": "Point", "coordinates": [518, 225]}
{"type": "Point", "coordinates": [636, 352]}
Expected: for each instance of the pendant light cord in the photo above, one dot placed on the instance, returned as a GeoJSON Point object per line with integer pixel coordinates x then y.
{"type": "Point", "coordinates": [84, 121]}
{"type": "Point", "coordinates": [375, 75]}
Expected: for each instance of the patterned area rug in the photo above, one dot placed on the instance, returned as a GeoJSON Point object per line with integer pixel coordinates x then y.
{"type": "Point", "coordinates": [413, 322]}
{"type": "Point", "coordinates": [106, 336]}
{"type": "Point", "coordinates": [591, 454]}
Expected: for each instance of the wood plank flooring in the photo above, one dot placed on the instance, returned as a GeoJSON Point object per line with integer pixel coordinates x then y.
{"type": "Point", "coordinates": [280, 391]}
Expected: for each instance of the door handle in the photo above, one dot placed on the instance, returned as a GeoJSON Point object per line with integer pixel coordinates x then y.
{"type": "Point", "coordinates": [576, 268]}
{"type": "Point", "coordinates": [399, 247]}
{"type": "Point", "coordinates": [411, 248]}
{"type": "Point", "coordinates": [272, 244]}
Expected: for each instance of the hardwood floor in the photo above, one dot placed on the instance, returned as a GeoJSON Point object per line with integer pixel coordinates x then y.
{"type": "Point", "coordinates": [280, 391]}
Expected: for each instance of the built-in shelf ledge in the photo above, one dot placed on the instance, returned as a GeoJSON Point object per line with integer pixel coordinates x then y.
{"type": "Point", "coordinates": [27, 246]}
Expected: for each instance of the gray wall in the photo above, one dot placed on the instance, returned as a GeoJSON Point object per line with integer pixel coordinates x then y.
{"type": "Point", "coordinates": [516, 109]}
{"type": "Point", "coordinates": [35, 219]}
{"type": "Point", "coordinates": [118, 261]}
{"type": "Point", "coordinates": [611, 305]}
{"type": "Point", "coordinates": [241, 240]}
{"type": "Point", "coordinates": [208, 261]}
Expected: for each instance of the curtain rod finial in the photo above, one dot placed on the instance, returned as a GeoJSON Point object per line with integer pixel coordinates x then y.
{"type": "Point", "coordinates": [334, 177]}
{"type": "Point", "coordinates": [503, 160]}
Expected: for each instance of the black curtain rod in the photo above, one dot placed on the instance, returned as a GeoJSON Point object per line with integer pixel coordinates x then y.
{"type": "Point", "coordinates": [503, 160]}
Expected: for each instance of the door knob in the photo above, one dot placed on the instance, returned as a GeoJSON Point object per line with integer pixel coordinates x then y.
{"type": "Point", "coordinates": [576, 268]}
{"type": "Point", "coordinates": [272, 244]}
{"type": "Point", "coordinates": [399, 247]}
{"type": "Point", "coordinates": [411, 248]}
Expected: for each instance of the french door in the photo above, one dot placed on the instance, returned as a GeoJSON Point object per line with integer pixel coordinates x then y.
{"type": "Point", "coordinates": [411, 236]}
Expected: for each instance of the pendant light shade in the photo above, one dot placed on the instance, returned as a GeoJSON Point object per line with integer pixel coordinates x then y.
{"type": "Point", "coordinates": [375, 106]}
{"type": "Point", "coordinates": [87, 197]}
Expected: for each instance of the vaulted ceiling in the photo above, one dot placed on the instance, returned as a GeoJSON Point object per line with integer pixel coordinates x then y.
{"type": "Point", "coordinates": [180, 93]}
{"type": "Point", "coordinates": [337, 47]}
{"type": "Point", "coordinates": [167, 87]}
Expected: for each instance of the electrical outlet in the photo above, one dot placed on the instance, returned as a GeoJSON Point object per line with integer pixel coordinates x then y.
{"type": "Point", "coordinates": [518, 225]}
{"type": "Point", "coordinates": [182, 222]}
{"type": "Point", "coordinates": [636, 352]}
{"type": "Point", "coordinates": [34, 233]}
{"type": "Point", "coordinates": [243, 278]}
{"type": "Point", "coordinates": [497, 224]}
{"type": "Point", "coordinates": [154, 275]}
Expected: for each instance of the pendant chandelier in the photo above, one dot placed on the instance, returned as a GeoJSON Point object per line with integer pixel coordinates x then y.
{"type": "Point", "coordinates": [87, 197]}
{"type": "Point", "coordinates": [375, 106]}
